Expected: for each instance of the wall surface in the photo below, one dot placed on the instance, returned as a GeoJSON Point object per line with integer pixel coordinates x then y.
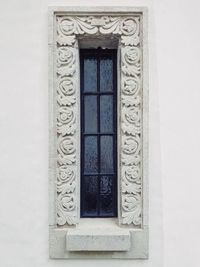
{"type": "Point", "coordinates": [174, 219]}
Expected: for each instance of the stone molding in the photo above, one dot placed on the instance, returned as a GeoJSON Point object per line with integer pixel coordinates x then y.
{"type": "Point", "coordinates": [128, 31]}
{"type": "Point", "coordinates": [67, 27]}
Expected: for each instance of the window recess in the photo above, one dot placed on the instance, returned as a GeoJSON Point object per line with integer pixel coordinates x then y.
{"type": "Point", "coordinates": [98, 76]}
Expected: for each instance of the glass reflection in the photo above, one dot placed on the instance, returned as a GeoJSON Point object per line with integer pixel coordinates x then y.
{"type": "Point", "coordinates": [91, 156]}
{"type": "Point", "coordinates": [90, 74]}
{"type": "Point", "coordinates": [107, 154]}
{"type": "Point", "coordinates": [90, 106]}
{"type": "Point", "coordinates": [106, 74]}
{"type": "Point", "coordinates": [106, 113]}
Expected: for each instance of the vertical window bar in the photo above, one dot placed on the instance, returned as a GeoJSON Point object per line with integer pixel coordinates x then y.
{"type": "Point", "coordinates": [82, 129]}
{"type": "Point", "coordinates": [114, 192]}
{"type": "Point", "coordinates": [98, 126]}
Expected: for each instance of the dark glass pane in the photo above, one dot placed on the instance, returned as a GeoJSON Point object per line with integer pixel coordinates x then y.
{"type": "Point", "coordinates": [107, 154]}
{"type": "Point", "coordinates": [91, 156]}
{"type": "Point", "coordinates": [90, 74]}
{"type": "Point", "coordinates": [106, 196]}
{"type": "Point", "coordinates": [90, 196]}
{"type": "Point", "coordinates": [106, 74]}
{"type": "Point", "coordinates": [90, 115]}
{"type": "Point", "coordinates": [106, 113]}
{"type": "Point", "coordinates": [98, 129]}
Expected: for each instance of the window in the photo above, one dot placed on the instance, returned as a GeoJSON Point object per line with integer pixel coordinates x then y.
{"type": "Point", "coordinates": [98, 132]}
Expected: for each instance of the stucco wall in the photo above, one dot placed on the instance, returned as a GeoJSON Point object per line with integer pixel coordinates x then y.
{"type": "Point", "coordinates": [174, 134]}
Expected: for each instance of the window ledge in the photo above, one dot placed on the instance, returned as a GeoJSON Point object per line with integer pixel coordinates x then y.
{"type": "Point", "coordinates": [74, 243]}
{"type": "Point", "coordinates": [99, 239]}
{"type": "Point", "coordinates": [98, 234]}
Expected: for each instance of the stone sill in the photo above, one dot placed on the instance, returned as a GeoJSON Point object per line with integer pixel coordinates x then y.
{"type": "Point", "coordinates": [100, 235]}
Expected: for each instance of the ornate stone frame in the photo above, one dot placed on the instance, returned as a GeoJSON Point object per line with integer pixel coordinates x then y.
{"type": "Point", "coordinates": [68, 28]}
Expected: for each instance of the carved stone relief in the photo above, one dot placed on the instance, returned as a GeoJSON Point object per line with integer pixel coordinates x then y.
{"type": "Point", "coordinates": [127, 29]}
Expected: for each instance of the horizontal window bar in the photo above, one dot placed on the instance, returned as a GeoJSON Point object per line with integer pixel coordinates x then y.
{"type": "Point", "coordinates": [99, 174]}
{"type": "Point", "coordinates": [91, 134]}
{"type": "Point", "coordinates": [97, 216]}
{"type": "Point", "coordinates": [98, 93]}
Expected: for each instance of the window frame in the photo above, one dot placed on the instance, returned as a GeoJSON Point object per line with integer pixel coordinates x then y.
{"type": "Point", "coordinates": [59, 231]}
{"type": "Point", "coordinates": [99, 53]}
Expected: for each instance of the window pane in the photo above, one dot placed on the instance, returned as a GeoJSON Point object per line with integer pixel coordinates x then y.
{"type": "Point", "coordinates": [98, 133]}
{"type": "Point", "coordinates": [106, 113]}
{"type": "Point", "coordinates": [90, 120]}
{"type": "Point", "coordinates": [90, 75]}
{"type": "Point", "coordinates": [90, 196]}
{"type": "Point", "coordinates": [107, 154]}
{"type": "Point", "coordinates": [106, 196]}
{"type": "Point", "coordinates": [91, 156]}
{"type": "Point", "coordinates": [106, 74]}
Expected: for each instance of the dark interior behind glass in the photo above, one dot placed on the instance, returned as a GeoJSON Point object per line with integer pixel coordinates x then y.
{"type": "Point", "coordinates": [98, 73]}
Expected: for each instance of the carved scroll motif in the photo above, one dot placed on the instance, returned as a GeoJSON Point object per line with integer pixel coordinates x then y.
{"type": "Point", "coordinates": [127, 29]}
{"type": "Point", "coordinates": [131, 135]}
{"type": "Point", "coordinates": [66, 136]}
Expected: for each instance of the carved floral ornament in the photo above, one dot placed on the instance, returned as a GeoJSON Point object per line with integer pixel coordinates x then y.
{"type": "Point", "coordinates": [127, 29]}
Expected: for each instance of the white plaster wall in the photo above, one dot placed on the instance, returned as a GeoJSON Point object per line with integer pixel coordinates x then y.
{"type": "Point", "coordinates": [174, 112]}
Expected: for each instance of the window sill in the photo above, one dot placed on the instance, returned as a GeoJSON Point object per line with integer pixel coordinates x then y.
{"type": "Point", "coordinates": [98, 238]}
{"type": "Point", "coordinates": [100, 235]}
